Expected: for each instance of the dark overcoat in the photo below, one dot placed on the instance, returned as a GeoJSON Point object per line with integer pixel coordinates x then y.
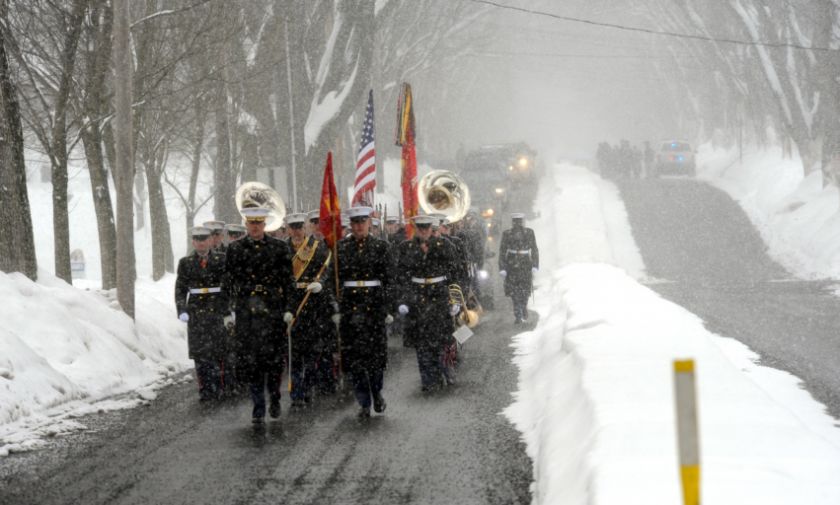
{"type": "Point", "coordinates": [364, 344]}
{"type": "Point", "coordinates": [429, 319]}
{"type": "Point", "coordinates": [206, 305]}
{"type": "Point", "coordinates": [313, 329]}
{"type": "Point", "coordinates": [260, 280]}
{"type": "Point", "coordinates": [518, 254]}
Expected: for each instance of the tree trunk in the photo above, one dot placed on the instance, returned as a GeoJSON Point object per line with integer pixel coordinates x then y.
{"type": "Point", "coordinates": [162, 260]}
{"type": "Point", "coordinates": [95, 111]}
{"type": "Point", "coordinates": [17, 244]}
{"type": "Point", "coordinates": [124, 173]}
{"type": "Point", "coordinates": [224, 180]}
{"type": "Point", "coordinates": [58, 155]}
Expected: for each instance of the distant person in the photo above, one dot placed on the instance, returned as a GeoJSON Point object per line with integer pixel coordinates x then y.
{"type": "Point", "coordinates": [519, 260]}
{"type": "Point", "coordinates": [649, 156]}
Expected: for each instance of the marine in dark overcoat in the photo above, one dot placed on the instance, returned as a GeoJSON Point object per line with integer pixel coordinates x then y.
{"type": "Point", "coordinates": [519, 257]}
{"type": "Point", "coordinates": [260, 272]}
{"type": "Point", "coordinates": [200, 295]}
{"type": "Point", "coordinates": [313, 337]}
{"type": "Point", "coordinates": [365, 266]}
{"type": "Point", "coordinates": [427, 265]}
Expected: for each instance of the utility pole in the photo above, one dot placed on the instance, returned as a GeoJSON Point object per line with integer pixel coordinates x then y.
{"type": "Point", "coordinates": [295, 207]}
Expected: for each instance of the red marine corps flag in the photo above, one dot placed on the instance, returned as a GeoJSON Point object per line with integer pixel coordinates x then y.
{"type": "Point", "coordinates": [365, 162]}
{"type": "Point", "coordinates": [330, 217]}
{"type": "Point", "coordinates": [405, 138]}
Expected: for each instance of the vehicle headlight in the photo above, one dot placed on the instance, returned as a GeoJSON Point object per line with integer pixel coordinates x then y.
{"type": "Point", "coordinates": [488, 212]}
{"type": "Point", "coordinates": [510, 168]}
{"type": "Point", "coordinates": [523, 162]}
{"type": "Point", "coordinates": [500, 191]}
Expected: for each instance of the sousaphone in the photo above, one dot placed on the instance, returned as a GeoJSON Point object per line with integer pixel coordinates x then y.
{"type": "Point", "coordinates": [444, 192]}
{"type": "Point", "coordinates": [257, 194]}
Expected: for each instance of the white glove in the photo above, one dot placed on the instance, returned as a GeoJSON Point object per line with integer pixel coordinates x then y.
{"type": "Point", "coordinates": [389, 319]}
{"type": "Point", "coordinates": [184, 317]}
{"type": "Point", "coordinates": [229, 320]}
{"type": "Point", "coordinates": [503, 273]}
{"type": "Point", "coordinates": [336, 318]}
{"type": "Point", "coordinates": [315, 287]}
{"type": "Point", "coordinates": [454, 309]}
{"type": "Point", "coordinates": [287, 317]}
{"type": "Point", "coordinates": [402, 309]}
{"type": "Point", "coordinates": [534, 270]}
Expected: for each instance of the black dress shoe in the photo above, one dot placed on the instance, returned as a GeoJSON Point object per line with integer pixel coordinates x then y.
{"type": "Point", "coordinates": [378, 403]}
{"type": "Point", "coordinates": [258, 420]}
{"type": "Point", "coordinates": [364, 413]}
{"type": "Point", "coordinates": [274, 409]}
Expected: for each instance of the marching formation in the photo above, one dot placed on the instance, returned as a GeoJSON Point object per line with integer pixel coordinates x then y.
{"type": "Point", "coordinates": [260, 305]}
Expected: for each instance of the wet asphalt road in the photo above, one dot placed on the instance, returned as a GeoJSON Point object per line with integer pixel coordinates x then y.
{"type": "Point", "coordinates": [700, 241]}
{"type": "Point", "coordinates": [452, 446]}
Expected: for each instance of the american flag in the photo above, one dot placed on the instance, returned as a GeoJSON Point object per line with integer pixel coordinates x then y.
{"type": "Point", "coordinates": [365, 162]}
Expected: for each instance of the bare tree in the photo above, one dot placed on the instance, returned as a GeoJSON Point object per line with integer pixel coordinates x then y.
{"type": "Point", "coordinates": [48, 63]}
{"type": "Point", "coordinates": [17, 246]}
{"type": "Point", "coordinates": [96, 111]}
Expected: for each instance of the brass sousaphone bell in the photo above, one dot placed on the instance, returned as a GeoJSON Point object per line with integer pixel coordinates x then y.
{"type": "Point", "coordinates": [257, 194]}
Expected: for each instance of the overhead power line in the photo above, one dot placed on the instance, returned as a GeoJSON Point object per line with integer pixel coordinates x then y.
{"type": "Point", "coordinates": [654, 32]}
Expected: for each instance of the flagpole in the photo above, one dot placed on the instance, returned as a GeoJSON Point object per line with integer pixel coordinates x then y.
{"type": "Point", "coordinates": [338, 299]}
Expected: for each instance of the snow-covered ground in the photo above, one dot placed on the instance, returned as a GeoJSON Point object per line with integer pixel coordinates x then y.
{"type": "Point", "coordinates": [595, 398]}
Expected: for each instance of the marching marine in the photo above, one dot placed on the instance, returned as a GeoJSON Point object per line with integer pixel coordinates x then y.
{"type": "Point", "coordinates": [365, 276]}
{"type": "Point", "coordinates": [519, 260]}
{"type": "Point", "coordinates": [260, 272]}
{"type": "Point", "coordinates": [312, 334]}
{"type": "Point", "coordinates": [217, 236]}
{"type": "Point", "coordinates": [202, 303]}
{"type": "Point", "coordinates": [426, 268]}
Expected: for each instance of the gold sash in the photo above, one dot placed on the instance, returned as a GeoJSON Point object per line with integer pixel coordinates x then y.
{"type": "Point", "coordinates": [303, 256]}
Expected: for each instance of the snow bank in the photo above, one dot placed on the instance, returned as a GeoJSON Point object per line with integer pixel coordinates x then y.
{"type": "Point", "coordinates": [797, 218]}
{"type": "Point", "coordinates": [595, 399]}
{"type": "Point", "coordinates": [65, 352]}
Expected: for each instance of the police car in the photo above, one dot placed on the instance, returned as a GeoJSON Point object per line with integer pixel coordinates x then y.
{"type": "Point", "coordinates": [675, 157]}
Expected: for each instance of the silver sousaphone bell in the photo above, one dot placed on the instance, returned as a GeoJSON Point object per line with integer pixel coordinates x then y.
{"type": "Point", "coordinates": [444, 192]}
{"type": "Point", "coordinates": [257, 194]}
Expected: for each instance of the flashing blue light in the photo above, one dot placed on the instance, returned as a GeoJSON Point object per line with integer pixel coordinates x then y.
{"type": "Point", "coordinates": [680, 158]}
{"type": "Point", "coordinates": [673, 144]}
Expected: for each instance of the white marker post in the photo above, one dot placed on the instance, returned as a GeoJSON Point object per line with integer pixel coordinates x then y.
{"type": "Point", "coordinates": [687, 434]}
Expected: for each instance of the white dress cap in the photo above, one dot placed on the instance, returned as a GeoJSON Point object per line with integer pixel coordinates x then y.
{"type": "Point", "coordinates": [359, 212]}
{"type": "Point", "coordinates": [255, 213]}
{"type": "Point", "coordinates": [215, 225]}
{"type": "Point", "coordinates": [200, 231]}
{"type": "Point", "coordinates": [424, 219]}
{"type": "Point", "coordinates": [295, 218]}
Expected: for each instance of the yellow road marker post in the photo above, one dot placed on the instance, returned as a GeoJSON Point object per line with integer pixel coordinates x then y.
{"type": "Point", "coordinates": [688, 438]}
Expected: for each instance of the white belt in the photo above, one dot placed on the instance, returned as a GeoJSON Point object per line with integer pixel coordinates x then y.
{"type": "Point", "coordinates": [514, 251]}
{"type": "Point", "coordinates": [301, 285]}
{"type": "Point", "coordinates": [428, 280]}
{"type": "Point", "coordinates": [204, 291]}
{"type": "Point", "coordinates": [361, 284]}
